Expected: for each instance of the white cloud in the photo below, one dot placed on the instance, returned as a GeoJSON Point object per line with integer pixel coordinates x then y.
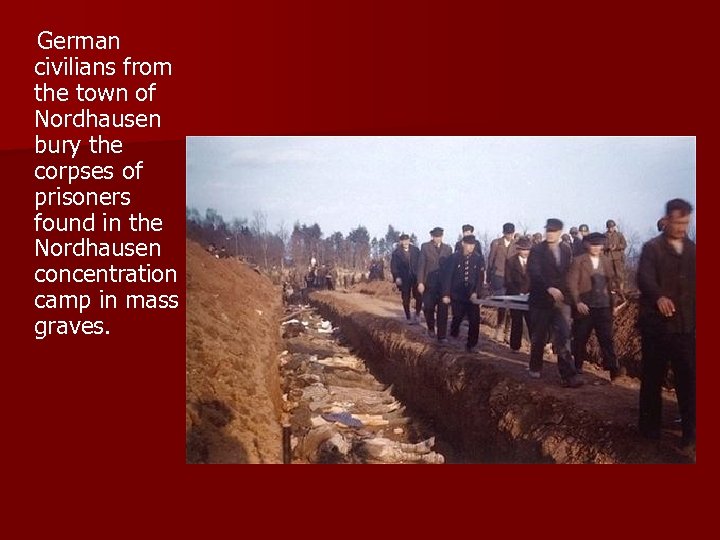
{"type": "Point", "coordinates": [257, 157]}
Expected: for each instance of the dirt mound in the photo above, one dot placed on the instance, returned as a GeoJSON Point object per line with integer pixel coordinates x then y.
{"type": "Point", "coordinates": [627, 342]}
{"type": "Point", "coordinates": [383, 289]}
{"type": "Point", "coordinates": [232, 382]}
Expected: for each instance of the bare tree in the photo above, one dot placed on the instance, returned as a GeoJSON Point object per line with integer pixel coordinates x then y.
{"type": "Point", "coordinates": [374, 248]}
{"type": "Point", "coordinates": [259, 229]}
{"type": "Point", "coordinates": [392, 237]}
{"type": "Point", "coordinates": [192, 215]}
{"type": "Point", "coordinates": [214, 220]}
{"type": "Point", "coordinates": [485, 242]}
{"type": "Point", "coordinates": [360, 245]}
{"type": "Point", "coordinates": [283, 234]}
{"type": "Point", "coordinates": [634, 244]}
{"type": "Point", "coordinates": [236, 228]}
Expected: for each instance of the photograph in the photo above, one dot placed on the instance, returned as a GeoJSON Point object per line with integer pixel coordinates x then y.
{"type": "Point", "coordinates": [440, 299]}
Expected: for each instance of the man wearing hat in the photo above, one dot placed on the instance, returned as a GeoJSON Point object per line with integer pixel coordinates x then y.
{"type": "Point", "coordinates": [578, 234]}
{"type": "Point", "coordinates": [592, 291]}
{"type": "Point", "coordinates": [463, 279]}
{"type": "Point", "coordinates": [501, 249]}
{"type": "Point", "coordinates": [577, 243]}
{"type": "Point", "coordinates": [466, 231]}
{"type": "Point", "coordinates": [615, 249]}
{"type": "Point", "coordinates": [568, 240]}
{"type": "Point", "coordinates": [433, 257]}
{"type": "Point", "coordinates": [517, 281]}
{"type": "Point", "coordinates": [548, 267]}
{"type": "Point", "coordinates": [404, 267]}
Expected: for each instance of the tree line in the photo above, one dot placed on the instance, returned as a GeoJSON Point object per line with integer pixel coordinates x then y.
{"type": "Point", "coordinates": [251, 240]}
{"type": "Point", "coordinates": [293, 246]}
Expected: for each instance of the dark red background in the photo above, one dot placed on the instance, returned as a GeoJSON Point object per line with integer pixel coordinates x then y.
{"type": "Point", "coordinates": [93, 431]}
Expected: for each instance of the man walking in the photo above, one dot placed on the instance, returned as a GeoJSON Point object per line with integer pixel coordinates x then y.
{"type": "Point", "coordinates": [577, 241]}
{"type": "Point", "coordinates": [666, 279]}
{"type": "Point", "coordinates": [548, 266]}
{"type": "Point", "coordinates": [466, 231]}
{"type": "Point", "coordinates": [433, 257]}
{"type": "Point", "coordinates": [404, 267]}
{"type": "Point", "coordinates": [517, 281]}
{"type": "Point", "coordinates": [463, 279]}
{"type": "Point", "coordinates": [501, 249]}
{"type": "Point", "coordinates": [592, 291]}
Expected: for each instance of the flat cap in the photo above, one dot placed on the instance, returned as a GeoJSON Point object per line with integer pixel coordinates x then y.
{"type": "Point", "coordinates": [553, 224]}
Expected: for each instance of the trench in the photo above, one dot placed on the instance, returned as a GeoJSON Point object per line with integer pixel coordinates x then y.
{"type": "Point", "coordinates": [483, 405]}
{"type": "Point", "coordinates": [335, 407]}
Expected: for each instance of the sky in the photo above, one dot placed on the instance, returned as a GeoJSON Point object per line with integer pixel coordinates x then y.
{"type": "Point", "coordinates": [417, 183]}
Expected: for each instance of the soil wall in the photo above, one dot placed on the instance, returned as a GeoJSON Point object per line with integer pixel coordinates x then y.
{"type": "Point", "coordinates": [233, 400]}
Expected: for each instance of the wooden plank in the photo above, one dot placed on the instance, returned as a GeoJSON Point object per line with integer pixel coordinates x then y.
{"type": "Point", "coordinates": [518, 302]}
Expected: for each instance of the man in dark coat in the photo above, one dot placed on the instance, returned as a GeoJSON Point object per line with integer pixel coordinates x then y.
{"type": "Point", "coordinates": [666, 279]}
{"type": "Point", "coordinates": [592, 291]}
{"type": "Point", "coordinates": [548, 266]}
{"type": "Point", "coordinates": [517, 281]}
{"type": "Point", "coordinates": [577, 242]}
{"type": "Point", "coordinates": [433, 256]}
{"type": "Point", "coordinates": [404, 267]}
{"type": "Point", "coordinates": [463, 278]}
{"type": "Point", "coordinates": [501, 249]}
{"type": "Point", "coordinates": [466, 231]}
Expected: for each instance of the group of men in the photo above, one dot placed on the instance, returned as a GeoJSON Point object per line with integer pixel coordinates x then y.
{"type": "Point", "coordinates": [319, 276]}
{"type": "Point", "coordinates": [572, 288]}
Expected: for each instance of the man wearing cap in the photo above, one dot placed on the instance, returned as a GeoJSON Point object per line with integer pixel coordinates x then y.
{"type": "Point", "coordinates": [548, 266]}
{"type": "Point", "coordinates": [577, 247]}
{"type": "Point", "coordinates": [501, 249]}
{"type": "Point", "coordinates": [404, 267]}
{"type": "Point", "coordinates": [433, 257]}
{"type": "Point", "coordinates": [666, 279]}
{"type": "Point", "coordinates": [592, 291]}
{"type": "Point", "coordinates": [517, 281]}
{"type": "Point", "coordinates": [615, 250]}
{"type": "Point", "coordinates": [568, 240]}
{"type": "Point", "coordinates": [463, 279]}
{"type": "Point", "coordinates": [466, 231]}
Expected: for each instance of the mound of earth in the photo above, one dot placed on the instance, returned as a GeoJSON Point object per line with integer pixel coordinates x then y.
{"type": "Point", "coordinates": [626, 340]}
{"type": "Point", "coordinates": [383, 289]}
{"type": "Point", "coordinates": [233, 399]}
